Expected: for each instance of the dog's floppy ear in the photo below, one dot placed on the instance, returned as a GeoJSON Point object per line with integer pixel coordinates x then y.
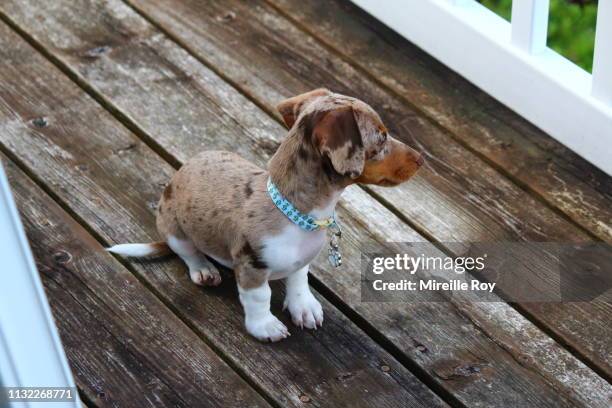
{"type": "Point", "coordinates": [338, 137]}
{"type": "Point", "coordinates": [290, 108]}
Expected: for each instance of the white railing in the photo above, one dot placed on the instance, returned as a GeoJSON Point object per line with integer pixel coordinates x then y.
{"type": "Point", "coordinates": [31, 354]}
{"type": "Point", "coordinates": [511, 62]}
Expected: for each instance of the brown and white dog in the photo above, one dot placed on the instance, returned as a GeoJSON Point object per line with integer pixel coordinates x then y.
{"type": "Point", "coordinates": [217, 204]}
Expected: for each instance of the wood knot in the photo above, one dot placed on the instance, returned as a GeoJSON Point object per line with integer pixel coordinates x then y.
{"type": "Point", "coordinates": [62, 257]}
{"type": "Point", "coordinates": [97, 51]}
{"type": "Point", "coordinates": [421, 348]}
{"type": "Point", "coordinates": [525, 359]}
{"type": "Point", "coordinates": [465, 370]}
{"type": "Point", "coordinates": [454, 369]}
{"type": "Point", "coordinates": [227, 17]}
{"type": "Point", "coordinates": [125, 149]}
{"type": "Point", "coordinates": [40, 123]}
{"type": "Point", "coordinates": [385, 368]}
{"type": "Point", "coordinates": [344, 376]}
{"type": "Point", "coordinates": [304, 398]}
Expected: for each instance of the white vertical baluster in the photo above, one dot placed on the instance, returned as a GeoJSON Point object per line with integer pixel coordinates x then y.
{"type": "Point", "coordinates": [602, 62]}
{"type": "Point", "coordinates": [530, 24]}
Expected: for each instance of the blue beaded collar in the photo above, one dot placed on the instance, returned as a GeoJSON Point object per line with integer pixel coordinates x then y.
{"type": "Point", "coordinates": [303, 221]}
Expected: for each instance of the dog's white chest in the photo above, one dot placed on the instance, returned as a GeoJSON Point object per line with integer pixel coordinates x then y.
{"type": "Point", "coordinates": [291, 250]}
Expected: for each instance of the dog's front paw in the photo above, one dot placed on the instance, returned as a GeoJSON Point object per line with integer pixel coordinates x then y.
{"type": "Point", "coordinates": [305, 309]}
{"type": "Point", "coordinates": [267, 328]}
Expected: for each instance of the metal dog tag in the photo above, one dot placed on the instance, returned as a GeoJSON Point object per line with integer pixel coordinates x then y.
{"type": "Point", "coordinates": [334, 255]}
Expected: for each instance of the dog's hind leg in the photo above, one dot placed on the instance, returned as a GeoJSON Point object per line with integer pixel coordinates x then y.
{"type": "Point", "coordinates": [201, 270]}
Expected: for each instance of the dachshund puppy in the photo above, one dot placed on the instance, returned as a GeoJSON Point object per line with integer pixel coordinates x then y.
{"type": "Point", "coordinates": [221, 206]}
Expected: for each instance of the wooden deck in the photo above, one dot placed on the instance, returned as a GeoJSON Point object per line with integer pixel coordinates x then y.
{"type": "Point", "coordinates": [100, 102]}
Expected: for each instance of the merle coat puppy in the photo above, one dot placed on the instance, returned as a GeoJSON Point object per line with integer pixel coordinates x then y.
{"type": "Point", "coordinates": [217, 204]}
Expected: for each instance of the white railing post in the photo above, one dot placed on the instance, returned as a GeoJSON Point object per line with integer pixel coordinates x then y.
{"type": "Point", "coordinates": [602, 60]}
{"type": "Point", "coordinates": [31, 354]}
{"type": "Point", "coordinates": [530, 25]}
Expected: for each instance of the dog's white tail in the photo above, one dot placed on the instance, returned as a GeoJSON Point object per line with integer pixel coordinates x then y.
{"type": "Point", "coordinates": [141, 250]}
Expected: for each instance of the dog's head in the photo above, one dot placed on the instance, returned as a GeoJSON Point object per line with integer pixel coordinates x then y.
{"type": "Point", "coordinates": [351, 135]}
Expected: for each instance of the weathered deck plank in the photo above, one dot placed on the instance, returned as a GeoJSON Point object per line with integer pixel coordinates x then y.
{"type": "Point", "coordinates": [173, 75]}
{"type": "Point", "coordinates": [124, 346]}
{"type": "Point", "coordinates": [533, 158]}
{"type": "Point", "coordinates": [456, 198]}
{"type": "Point", "coordinates": [107, 177]}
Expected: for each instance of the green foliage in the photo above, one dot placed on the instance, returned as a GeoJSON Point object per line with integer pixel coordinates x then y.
{"type": "Point", "coordinates": [501, 7]}
{"type": "Point", "coordinates": [571, 27]}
